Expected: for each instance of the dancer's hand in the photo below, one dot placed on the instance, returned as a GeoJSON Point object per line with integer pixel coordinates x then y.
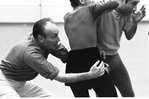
{"type": "Point", "coordinates": [97, 70]}
{"type": "Point", "coordinates": [139, 15]}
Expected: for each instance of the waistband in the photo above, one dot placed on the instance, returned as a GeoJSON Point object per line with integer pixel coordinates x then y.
{"type": "Point", "coordinates": [84, 53]}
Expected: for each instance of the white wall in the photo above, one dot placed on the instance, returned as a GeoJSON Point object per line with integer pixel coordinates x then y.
{"type": "Point", "coordinates": [32, 10]}
{"type": "Point", "coordinates": [19, 10]}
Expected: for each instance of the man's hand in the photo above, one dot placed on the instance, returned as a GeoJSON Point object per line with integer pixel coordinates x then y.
{"type": "Point", "coordinates": [60, 52]}
{"type": "Point", "coordinates": [97, 71]}
{"type": "Point", "coordinates": [101, 52]}
{"type": "Point", "coordinates": [139, 15]}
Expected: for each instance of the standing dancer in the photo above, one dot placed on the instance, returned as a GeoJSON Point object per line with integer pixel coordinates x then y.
{"type": "Point", "coordinates": [80, 27]}
{"type": "Point", "coordinates": [110, 27]}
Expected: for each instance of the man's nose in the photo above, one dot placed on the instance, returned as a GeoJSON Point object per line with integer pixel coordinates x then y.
{"type": "Point", "coordinates": [135, 8]}
{"type": "Point", "coordinates": [58, 39]}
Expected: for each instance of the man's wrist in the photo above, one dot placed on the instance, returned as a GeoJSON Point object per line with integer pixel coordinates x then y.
{"type": "Point", "coordinates": [135, 22]}
{"type": "Point", "coordinates": [89, 75]}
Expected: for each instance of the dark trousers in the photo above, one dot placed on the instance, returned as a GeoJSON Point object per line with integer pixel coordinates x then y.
{"type": "Point", "coordinates": [119, 75]}
{"type": "Point", "coordinates": [81, 61]}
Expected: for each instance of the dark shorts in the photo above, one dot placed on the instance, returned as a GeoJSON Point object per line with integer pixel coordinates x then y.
{"type": "Point", "coordinates": [81, 61]}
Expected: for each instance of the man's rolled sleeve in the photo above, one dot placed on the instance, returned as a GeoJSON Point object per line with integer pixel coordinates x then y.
{"type": "Point", "coordinates": [39, 63]}
{"type": "Point", "coordinates": [54, 74]}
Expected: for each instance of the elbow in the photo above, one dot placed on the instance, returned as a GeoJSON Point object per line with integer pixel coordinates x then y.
{"type": "Point", "coordinates": [128, 37]}
{"type": "Point", "coordinates": [110, 5]}
{"type": "Point", "coordinates": [115, 4]}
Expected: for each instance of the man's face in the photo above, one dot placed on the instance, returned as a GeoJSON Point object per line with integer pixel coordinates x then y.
{"type": "Point", "coordinates": [51, 40]}
{"type": "Point", "coordinates": [129, 7]}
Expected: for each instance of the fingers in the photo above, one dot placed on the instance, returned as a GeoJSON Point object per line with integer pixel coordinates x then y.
{"type": "Point", "coordinates": [101, 65]}
{"type": "Point", "coordinates": [142, 8]}
{"type": "Point", "coordinates": [97, 63]}
{"type": "Point", "coordinates": [98, 69]}
{"type": "Point", "coordinates": [104, 56]}
{"type": "Point", "coordinates": [102, 53]}
{"type": "Point", "coordinates": [106, 65]}
{"type": "Point", "coordinates": [102, 68]}
{"type": "Point", "coordinates": [103, 0]}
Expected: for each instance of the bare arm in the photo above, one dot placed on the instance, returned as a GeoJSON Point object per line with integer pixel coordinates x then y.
{"type": "Point", "coordinates": [95, 71]}
{"type": "Point", "coordinates": [136, 18]}
{"type": "Point", "coordinates": [131, 31]}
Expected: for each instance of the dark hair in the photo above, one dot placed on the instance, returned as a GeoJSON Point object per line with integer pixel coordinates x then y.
{"type": "Point", "coordinates": [74, 3]}
{"type": "Point", "coordinates": [39, 27]}
{"type": "Point", "coordinates": [126, 1]}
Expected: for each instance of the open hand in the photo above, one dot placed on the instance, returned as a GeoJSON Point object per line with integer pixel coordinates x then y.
{"type": "Point", "coordinates": [97, 69]}
{"type": "Point", "coordinates": [139, 15]}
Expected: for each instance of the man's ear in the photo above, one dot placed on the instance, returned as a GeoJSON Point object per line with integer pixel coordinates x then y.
{"type": "Point", "coordinates": [124, 1]}
{"type": "Point", "coordinates": [82, 1]}
{"type": "Point", "coordinates": [40, 38]}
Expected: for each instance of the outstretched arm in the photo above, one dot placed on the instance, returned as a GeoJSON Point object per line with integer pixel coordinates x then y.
{"type": "Point", "coordinates": [95, 71]}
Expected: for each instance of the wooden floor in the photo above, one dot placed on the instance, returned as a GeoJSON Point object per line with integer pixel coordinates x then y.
{"type": "Point", "coordinates": [134, 53]}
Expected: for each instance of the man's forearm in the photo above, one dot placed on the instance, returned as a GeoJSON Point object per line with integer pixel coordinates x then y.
{"type": "Point", "coordinates": [109, 5]}
{"type": "Point", "coordinates": [131, 31]}
{"type": "Point", "coordinates": [95, 71]}
{"type": "Point", "coordinates": [72, 77]}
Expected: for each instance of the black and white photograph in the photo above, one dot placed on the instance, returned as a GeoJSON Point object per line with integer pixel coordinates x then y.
{"type": "Point", "coordinates": [74, 48]}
